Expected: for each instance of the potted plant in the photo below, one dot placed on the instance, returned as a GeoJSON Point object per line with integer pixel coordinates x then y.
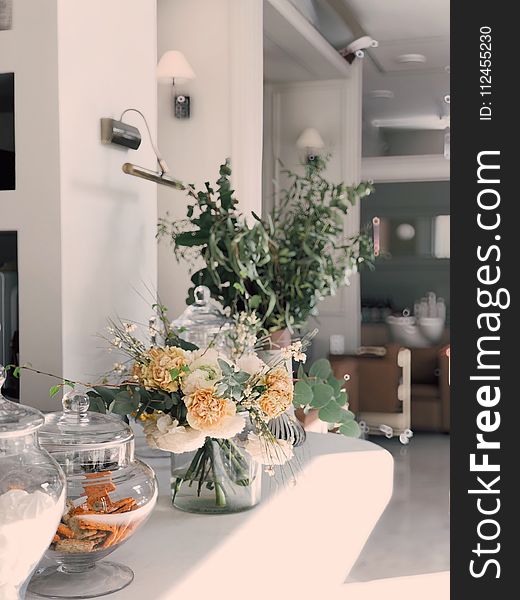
{"type": "Point", "coordinates": [319, 396]}
{"type": "Point", "coordinates": [281, 266]}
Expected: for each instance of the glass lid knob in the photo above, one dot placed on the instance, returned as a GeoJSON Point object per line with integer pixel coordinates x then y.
{"type": "Point", "coordinates": [202, 295]}
{"type": "Point", "coordinates": [76, 405]}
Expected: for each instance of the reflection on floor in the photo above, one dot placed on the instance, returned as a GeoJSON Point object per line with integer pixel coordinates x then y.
{"type": "Point", "coordinates": [412, 536]}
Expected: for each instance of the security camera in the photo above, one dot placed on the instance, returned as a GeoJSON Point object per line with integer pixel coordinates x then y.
{"type": "Point", "coordinates": [361, 43]}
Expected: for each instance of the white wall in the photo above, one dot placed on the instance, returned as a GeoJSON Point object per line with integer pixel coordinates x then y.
{"type": "Point", "coordinates": [30, 50]}
{"type": "Point", "coordinates": [107, 58]}
{"type": "Point", "coordinates": [85, 230]}
{"type": "Point", "coordinates": [334, 109]}
{"type": "Point", "coordinates": [222, 40]}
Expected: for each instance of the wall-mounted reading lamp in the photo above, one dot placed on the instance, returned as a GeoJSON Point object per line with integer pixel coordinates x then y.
{"type": "Point", "coordinates": [311, 142]}
{"type": "Point", "coordinates": [122, 134]}
{"type": "Point", "coordinates": [173, 68]}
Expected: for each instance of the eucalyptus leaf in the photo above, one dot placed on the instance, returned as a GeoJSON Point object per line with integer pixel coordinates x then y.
{"type": "Point", "coordinates": [96, 403]}
{"type": "Point", "coordinates": [124, 404]}
{"type": "Point", "coordinates": [350, 429]}
{"type": "Point", "coordinates": [341, 397]}
{"type": "Point", "coordinates": [323, 394]}
{"type": "Point", "coordinates": [331, 413]}
{"type": "Point", "coordinates": [321, 369]}
{"type": "Point", "coordinates": [303, 393]}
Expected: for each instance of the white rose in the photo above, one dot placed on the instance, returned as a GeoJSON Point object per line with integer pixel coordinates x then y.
{"type": "Point", "coordinates": [205, 358]}
{"type": "Point", "coordinates": [250, 363]}
{"type": "Point", "coordinates": [165, 433]}
{"type": "Point", "coordinates": [267, 452]}
{"type": "Point", "coordinates": [203, 377]}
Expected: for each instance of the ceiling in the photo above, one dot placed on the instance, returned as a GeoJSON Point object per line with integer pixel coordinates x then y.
{"type": "Point", "coordinates": [417, 90]}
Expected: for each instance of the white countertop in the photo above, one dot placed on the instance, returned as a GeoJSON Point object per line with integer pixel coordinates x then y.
{"type": "Point", "coordinates": [300, 538]}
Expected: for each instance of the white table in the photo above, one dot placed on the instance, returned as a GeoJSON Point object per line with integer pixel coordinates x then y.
{"type": "Point", "coordinates": [300, 541]}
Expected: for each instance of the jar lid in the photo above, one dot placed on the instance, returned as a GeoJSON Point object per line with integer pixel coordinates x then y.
{"type": "Point", "coordinates": [16, 419]}
{"type": "Point", "coordinates": [204, 313]}
{"type": "Point", "coordinates": [76, 427]}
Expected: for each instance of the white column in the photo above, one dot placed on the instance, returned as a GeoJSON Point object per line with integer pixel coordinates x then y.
{"type": "Point", "coordinates": [351, 166]}
{"type": "Point", "coordinates": [246, 95]}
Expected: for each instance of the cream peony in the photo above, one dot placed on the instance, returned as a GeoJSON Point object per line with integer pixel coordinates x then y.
{"type": "Point", "coordinates": [270, 453]}
{"type": "Point", "coordinates": [279, 394]}
{"type": "Point", "coordinates": [165, 433]}
{"type": "Point", "coordinates": [274, 403]}
{"type": "Point", "coordinates": [250, 363]}
{"type": "Point", "coordinates": [214, 416]}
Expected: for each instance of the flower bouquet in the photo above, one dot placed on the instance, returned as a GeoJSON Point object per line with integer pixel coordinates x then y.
{"type": "Point", "coordinates": [209, 411]}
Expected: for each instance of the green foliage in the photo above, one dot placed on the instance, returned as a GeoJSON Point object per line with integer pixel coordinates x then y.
{"type": "Point", "coordinates": [280, 266]}
{"type": "Point", "coordinates": [129, 399]}
{"type": "Point", "coordinates": [319, 389]}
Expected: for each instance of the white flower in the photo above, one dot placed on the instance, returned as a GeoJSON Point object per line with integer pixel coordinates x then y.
{"type": "Point", "coordinates": [204, 377]}
{"type": "Point", "coordinates": [165, 433]}
{"type": "Point", "coordinates": [250, 363]}
{"type": "Point", "coordinates": [204, 371]}
{"type": "Point", "coordinates": [129, 327]}
{"type": "Point", "coordinates": [117, 342]}
{"type": "Point", "coordinates": [204, 358]}
{"type": "Point", "coordinates": [266, 452]}
{"type": "Point", "coordinates": [119, 368]}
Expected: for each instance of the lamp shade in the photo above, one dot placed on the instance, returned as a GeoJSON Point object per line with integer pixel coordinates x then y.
{"type": "Point", "coordinates": [173, 65]}
{"type": "Point", "coordinates": [310, 138]}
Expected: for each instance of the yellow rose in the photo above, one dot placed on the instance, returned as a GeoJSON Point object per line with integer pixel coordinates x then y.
{"type": "Point", "coordinates": [157, 373]}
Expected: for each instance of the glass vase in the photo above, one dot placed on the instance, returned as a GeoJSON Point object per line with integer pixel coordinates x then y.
{"type": "Point", "coordinates": [219, 478]}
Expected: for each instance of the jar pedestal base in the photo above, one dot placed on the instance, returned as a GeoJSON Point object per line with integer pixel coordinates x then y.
{"type": "Point", "coordinates": [101, 578]}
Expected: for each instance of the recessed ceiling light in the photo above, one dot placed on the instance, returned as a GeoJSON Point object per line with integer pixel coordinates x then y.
{"type": "Point", "coordinates": [386, 94]}
{"type": "Point", "coordinates": [411, 58]}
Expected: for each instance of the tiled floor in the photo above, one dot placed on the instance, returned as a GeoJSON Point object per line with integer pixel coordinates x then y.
{"type": "Point", "coordinates": [412, 536]}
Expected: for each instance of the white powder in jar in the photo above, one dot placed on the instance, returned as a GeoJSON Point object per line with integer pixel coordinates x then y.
{"type": "Point", "coordinates": [28, 522]}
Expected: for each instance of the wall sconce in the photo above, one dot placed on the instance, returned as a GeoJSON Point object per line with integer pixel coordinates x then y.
{"type": "Point", "coordinates": [311, 141]}
{"type": "Point", "coordinates": [122, 134]}
{"type": "Point", "coordinates": [174, 67]}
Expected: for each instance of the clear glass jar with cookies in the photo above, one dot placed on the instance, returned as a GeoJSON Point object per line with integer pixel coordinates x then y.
{"type": "Point", "coordinates": [110, 494]}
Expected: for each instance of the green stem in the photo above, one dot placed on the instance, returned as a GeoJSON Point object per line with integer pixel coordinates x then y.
{"type": "Point", "coordinates": [189, 473]}
{"type": "Point", "coordinates": [220, 495]}
{"type": "Point", "coordinates": [240, 476]}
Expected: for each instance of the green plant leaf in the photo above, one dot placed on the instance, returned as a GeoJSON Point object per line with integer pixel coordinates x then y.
{"type": "Point", "coordinates": [54, 390]}
{"type": "Point", "coordinates": [107, 394]}
{"type": "Point", "coordinates": [124, 404]}
{"type": "Point", "coordinates": [321, 369]}
{"type": "Point", "coordinates": [322, 395]}
{"type": "Point", "coordinates": [303, 394]}
{"type": "Point", "coordinates": [331, 412]}
{"type": "Point", "coordinates": [341, 397]}
{"type": "Point", "coordinates": [254, 302]}
{"type": "Point", "coordinates": [334, 383]}
{"type": "Point", "coordinates": [346, 416]}
{"type": "Point", "coordinates": [96, 403]}
{"type": "Point", "coordinates": [350, 429]}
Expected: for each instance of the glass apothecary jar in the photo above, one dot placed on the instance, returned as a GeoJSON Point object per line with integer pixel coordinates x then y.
{"type": "Point", "coordinates": [32, 496]}
{"type": "Point", "coordinates": [203, 323]}
{"type": "Point", "coordinates": [110, 494]}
